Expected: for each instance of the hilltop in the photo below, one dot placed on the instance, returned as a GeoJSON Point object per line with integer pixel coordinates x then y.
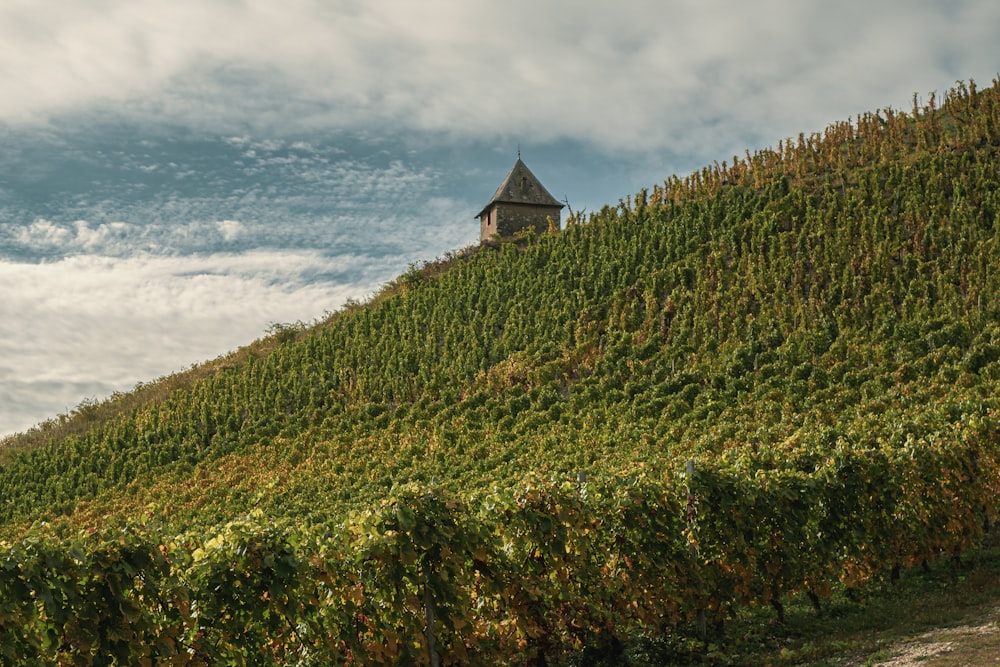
{"type": "Point", "coordinates": [506, 430]}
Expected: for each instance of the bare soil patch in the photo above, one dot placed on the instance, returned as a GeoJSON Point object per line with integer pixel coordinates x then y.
{"type": "Point", "coordinates": [961, 646]}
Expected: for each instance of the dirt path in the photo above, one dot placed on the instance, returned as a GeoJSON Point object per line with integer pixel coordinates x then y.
{"type": "Point", "coordinates": [961, 646]}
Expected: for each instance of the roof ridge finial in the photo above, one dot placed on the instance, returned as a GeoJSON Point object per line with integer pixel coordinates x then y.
{"type": "Point", "coordinates": [519, 150]}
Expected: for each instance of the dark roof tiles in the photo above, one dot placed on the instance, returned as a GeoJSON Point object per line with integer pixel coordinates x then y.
{"type": "Point", "coordinates": [521, 187]}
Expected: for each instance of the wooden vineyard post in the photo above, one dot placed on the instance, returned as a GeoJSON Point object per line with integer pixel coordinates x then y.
{"type": "Point", "coordinates": [429, 622]}
{"type": "Point", "coordinates": [691, 513]}
{"type": "Point", "coordinates": [432, 655]}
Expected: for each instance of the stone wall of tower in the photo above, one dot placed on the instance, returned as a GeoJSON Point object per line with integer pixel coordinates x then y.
{"type": "Point", "coordinates": [505, 219]}
{"type": "Point", "coordinates": [488, 224]}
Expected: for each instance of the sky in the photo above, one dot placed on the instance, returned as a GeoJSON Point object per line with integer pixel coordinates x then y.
{"type": "Point", "coordinates": [177, 177]}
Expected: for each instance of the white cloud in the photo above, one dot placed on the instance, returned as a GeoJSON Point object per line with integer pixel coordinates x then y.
{"type": "Point", "coordinates": [230, 229]}
{"type": "Point", "coordinates": [635, 74]}
{"type": "Point", "coordinates": [89, 325]}
{"type": "Point", "coordinates": [44, 233]}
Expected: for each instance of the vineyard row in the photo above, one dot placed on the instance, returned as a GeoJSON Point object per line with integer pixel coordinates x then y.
{"type": "Point", "coordinates": [516, 575]}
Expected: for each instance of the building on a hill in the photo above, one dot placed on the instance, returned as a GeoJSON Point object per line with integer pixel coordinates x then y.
{"type": "Point", "coordinates": [520, 202]}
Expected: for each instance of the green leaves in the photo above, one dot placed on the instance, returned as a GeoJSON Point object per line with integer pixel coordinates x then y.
{"type": "Point", "coordinates": [541, 568]}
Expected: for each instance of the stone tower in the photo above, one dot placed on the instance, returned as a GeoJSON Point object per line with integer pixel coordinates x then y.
{"type": "Point", "coordinates": [520, 202]}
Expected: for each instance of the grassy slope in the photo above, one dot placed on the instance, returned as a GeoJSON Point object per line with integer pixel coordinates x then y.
{"type": "Point", "coordinates": [840, 289]}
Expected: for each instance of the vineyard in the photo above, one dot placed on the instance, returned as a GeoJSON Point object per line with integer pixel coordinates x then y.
{"type": "Point", "coordinates": [488, 462]}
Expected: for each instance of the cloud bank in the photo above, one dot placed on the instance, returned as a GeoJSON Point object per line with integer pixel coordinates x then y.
{"type": "Point", "coordinates": [634, 74]}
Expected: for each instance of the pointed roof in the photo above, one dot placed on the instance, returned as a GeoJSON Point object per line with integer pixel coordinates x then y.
{"type": "Point", "coordinates": [521, 187]}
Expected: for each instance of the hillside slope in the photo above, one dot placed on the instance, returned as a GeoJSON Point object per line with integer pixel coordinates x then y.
{"type": "Point", "coordinates": [817, 327]}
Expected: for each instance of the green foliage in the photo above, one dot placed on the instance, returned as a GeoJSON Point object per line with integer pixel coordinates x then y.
{"type": "Point", "coordinates": [522, 575]}
{"type": "Point", "coordinates": [815, 325]}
